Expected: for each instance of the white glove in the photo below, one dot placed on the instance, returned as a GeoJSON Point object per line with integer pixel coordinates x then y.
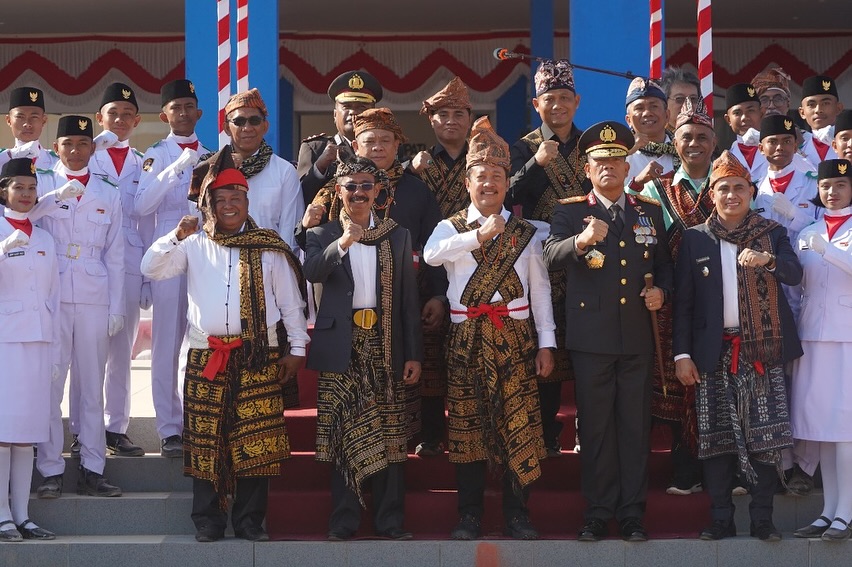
{"type": "Point", "coordinates": [28, 150]}
{"type": "Point", "coordinates": [751, 137]}
{"type": "Point", "coordinates": [104, 140]}
{"type": "Point", "coordinates": [188, 158]}
{"type": "Point", "coordinates": [817, 243]}
{"type": "Point", "coordinates": [70, 190]}
{"type": "Point", "coordinates": [15, 240]}
{"type": "Point", "coordinates": [116, 323]}
{"type": "Point", "coordinates": [782, 205]}
{"type": "Point", "coordinates": [145, 297]}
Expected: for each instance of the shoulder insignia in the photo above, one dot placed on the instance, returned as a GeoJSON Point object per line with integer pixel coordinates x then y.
{"type": "Point", "coordinates": [320, 136]}
{"type": "Point", "coordinates": [146, 165]}
{"type": "Point", "coordinates": [157, 144]}
{"type": "Point", "coordinates": [106, 179]}
{"type": "Point", "coordinates": [138, 153]}
{"type": "Point", "coordinates": [575, 199]}
{"type": "Point", "coordinates": [646, 199]}
{"type": "Point", "coordinates": [45, 171]}
{"type": "Point", "coordinates": [3, 149]}
{"type": "Point", "coordinates": [811, 174]}
{"type": "Point", "coordinates": [51, 153]}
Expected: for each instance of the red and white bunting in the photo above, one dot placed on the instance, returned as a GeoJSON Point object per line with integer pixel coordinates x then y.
{"type": "Point", "coordinates": [223, 73]}
{"type": "Point", "coordinates": [242, 46]}
{"type": "Point", "coordinates": [656, 39]}
{"type": "Point", "coordinates": [705, 53]}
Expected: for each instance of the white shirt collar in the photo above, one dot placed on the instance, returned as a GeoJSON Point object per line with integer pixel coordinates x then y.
{"type": "Point", "coordinates": [473, 214]}
{"type": "Point", "coordinates": [607, 203]}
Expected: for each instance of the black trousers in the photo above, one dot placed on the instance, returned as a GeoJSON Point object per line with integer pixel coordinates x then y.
{"type": "Point", "coordinates": [687, 468]}
{"type": "Point", "coordinates": [549, 398]}
{"type": "Point", "coordinates": [614, 407]}
{"type": "Point", "coordinates": [433, 421]}
{"type": "Point", "coordinates": [470, 478]}
{"type": "Point", "coordinates": [388, 489]}
{"type": "Point", "coordinates": [719, 475]}
{"type": "Point", "coordinates": [249, 509]}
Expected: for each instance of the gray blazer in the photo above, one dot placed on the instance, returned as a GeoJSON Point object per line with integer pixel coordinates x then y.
{"type": "Point", "coordinates": [330, 349]}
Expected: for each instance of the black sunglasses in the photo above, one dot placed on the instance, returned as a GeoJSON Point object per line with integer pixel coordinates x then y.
{"type": "Point", "coordinates": [352, 187]}
{"type": "Point", "coordinates": [240, 121]}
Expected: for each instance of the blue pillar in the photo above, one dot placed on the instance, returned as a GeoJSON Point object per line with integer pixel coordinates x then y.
{"type": "Point", "coordinates": [200, 45]}
{"type": "Point", "coordinates": [597, 39]}
{"type": "Point", "coordinates": [541, 44]}
{"type": "Point", "coordinates": [285, 124]}
{"type": "Point", "coordinates": [263, 63]}
{"type": "Point", "coordinates": [513, 111]}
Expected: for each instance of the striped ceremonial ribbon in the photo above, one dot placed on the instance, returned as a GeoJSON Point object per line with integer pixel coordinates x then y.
{"type": "Point", "coordinates": [223, 73]}
{"type": "Point", "coordinates": [242, 46]}
{"type": "Point", "coordinates": [705, 53]}
{"type": "Point", "coordinates": [656, 39]}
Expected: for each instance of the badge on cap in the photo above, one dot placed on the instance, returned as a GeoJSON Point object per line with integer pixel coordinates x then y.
{"type": "Point", "coordinates": [841, 168]}
{"type": "Point", "coordinates": [356, 82]}
{"type": "Point", "coordinates": [191, 88]}
{"type": "Point", "coordinates": [751, 91]}
{"type": "Point", "coordinates": [826, 86]}
{"type": "Point", "coordinates": [788, 124]}
{"type": "Point", "coordinates": [33, 96]}
{"type": "Point", "coordinates": [125, 93]}
{"type": "Point", "coordinates": [146, 166]}
{"type": "Point", "coordinates": [83, 124]}
{"type": "Point", "coordinates": [608, 134]}
{"type": "Point", "coordinates": [32, 168]}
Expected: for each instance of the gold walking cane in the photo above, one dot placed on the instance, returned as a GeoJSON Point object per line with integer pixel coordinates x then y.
{"type": "Point", "coordinates": [655, 325]}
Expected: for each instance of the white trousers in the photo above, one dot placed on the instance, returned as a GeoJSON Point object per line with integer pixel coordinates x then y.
{"type": "Point", "coordinates": [168, 327]}
{"type": "Point", "coordinates": [117, 383]}
{"type": "Point", "coordinates": [84, 346]}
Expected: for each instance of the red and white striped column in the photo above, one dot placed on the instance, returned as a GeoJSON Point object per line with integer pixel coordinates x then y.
{"type": "Point", "coordinates": [242, 46]}
{"type": "Point", "coordinates": [223, 73]}
{"type": "Point", "coordinates": [656, 39]}
{"type": "Point", "coordinates": [705, 53]}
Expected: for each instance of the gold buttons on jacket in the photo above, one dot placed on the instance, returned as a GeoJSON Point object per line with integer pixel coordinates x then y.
{"type": "Point", "coordinates": [622, 244]}
{"type": "Point", "coordinates": [582, 304]}
{"type": "Point", "coordinates": [623, 262]}
{"type": "Point", "coordinates": [623, 300]}
{"type": "Point", "coordinates": [623, 281]}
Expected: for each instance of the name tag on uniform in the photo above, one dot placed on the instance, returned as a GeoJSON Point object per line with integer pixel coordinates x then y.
{"type": "Point", "coordinates": [15, 254]}
{"type": "Point", "coordinates": [803, 205]}
{"type": "Point", "coordinates": [702, 260]}
{"type": "Point", "coordinates": [64, 206]}
{"type": "Point", "coordinates": [101, 211]}
{"type": "Point", "coordinates": [41, 253]}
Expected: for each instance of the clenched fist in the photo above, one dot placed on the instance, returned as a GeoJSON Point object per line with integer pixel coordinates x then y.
{"type": "Point", "coordinates": [351, 234]}
{"type": "Point", "coordinates": [188, 225]}
{"type": "Point", "coordinates": [594, 232]}
{"type": "Point", "coordinates": [546, 152]}
{"type": "Point", "coordinates": [494, 225]}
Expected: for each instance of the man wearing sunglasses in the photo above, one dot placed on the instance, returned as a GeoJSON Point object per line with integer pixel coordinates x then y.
{"type": "Point", "coordinates": [276, 194]}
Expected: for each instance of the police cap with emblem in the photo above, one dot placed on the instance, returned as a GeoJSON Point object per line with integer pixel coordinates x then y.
{"type": "Point", "coordinates": [843, 122]}
{"type": "Point", "coordinates": [831, 168]}
{"type": "Point", "coordinates": [739, 94]}
{"type": "Point", "coordinates": [26, 96]}
{"type": "Point", "coordinates": [819, 85]}
{"type": "Point", "coordinates": [18, 166]}
{"type": "Point", "coordinates": [73, 125]}
{"type": "Point", "coordinates": [355, 86]}
{"type": "Point", "coordinates": [180, 88]}
{"type": "Point", "coordinates": [777, 125]}
{"type": "Point", "coordinates": [606, 139]}
{"type": "Point", "coordinates": [119, 92]}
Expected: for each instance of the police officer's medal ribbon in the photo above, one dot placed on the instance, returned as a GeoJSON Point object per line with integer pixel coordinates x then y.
{"type": "Point", "coordinates": [595, 259]}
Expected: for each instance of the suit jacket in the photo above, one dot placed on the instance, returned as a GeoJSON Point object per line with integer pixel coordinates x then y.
{"type": "Point", "coordinates": [605, 313]}
{"type": "Point", "coordinates": [309, 152]}
{"type": "Point", "coordinates": [698, 303]}
{"type": "Point", "coordinates": [330, 345]}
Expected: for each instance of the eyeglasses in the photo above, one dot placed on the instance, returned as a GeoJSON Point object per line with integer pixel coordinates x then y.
{"type": "Point", "coordinates": [241, 121]}
{"type": "Point", "coordinates": [352, 187]}
{"type": "Point", "coordinates": [776, 100]}
{"type": "Point", "coordinates": [680, 99]}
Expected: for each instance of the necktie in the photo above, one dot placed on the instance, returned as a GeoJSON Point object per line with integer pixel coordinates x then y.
{"type": "Point", "coordinates": [614, 213]}
{"type": "Point", "coordinates": [748, 153]}
{"type": "Point", "coordinates": [192, 145]}
{"type": "Point", "coordinates": [832, 224]}
{"type": "Point", "coordinates": [779, 184]}
{"type": "Point", "coordinates": [118, 156]}
{"type": "Point", "coordinates": [23, 225]}
{"type": "Point", "coordinates": [821, 148]}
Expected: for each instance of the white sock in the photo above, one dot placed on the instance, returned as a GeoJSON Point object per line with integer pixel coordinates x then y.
{"type": "Point", "coordinates": [20, 483]}
{"type": "Point", "coordinates": [828, 465]}
{"type": "Point", "coordinates": [5, 459]}
{"type": "Point", "coordinates": [844, 484]}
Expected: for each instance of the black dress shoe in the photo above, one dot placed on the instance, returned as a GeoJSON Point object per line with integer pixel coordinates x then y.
{"type": "Point", "coordinates": [35, 532]}
{"type": "Point", "coordinates": [836, 534]}
{"type": "Point", "coordinates": [51, 487]}
{"type": "Point", "coordinates": [398, 534]}
{"type": "Point", "coordinates": [94, 484]}
{"type": "Point", "coordinates": [172, 447]}
{"type": "Point", "coordinates": [252, 533]}
{"type": "Point", "coordinates": [469, 527]}
{"type": "Point", "coordinates": [594, 529]}
{"type": "Point", "coordinates": [765, 530]}
{"type": "Point", "coordinates": [719, 529]}
{"type": "Point", "coordinates": [339, 534]}
{"type": "Point", "coordinates": [554, 451]}
{"type": "Point", "coordinates": [121, 446]}
{"type": "Point", "coordinates": [812, 531]}
{"type": "Point", "coordinates": [633, 530]}
{"type": "Point", "coordinates": [519, 527]}
{"type": "Point", "coordinates": [429, 449]}
{"type": "Point", "coordinates": [10, 534]}
{"type": "Point", "coordinates": [207, 534]}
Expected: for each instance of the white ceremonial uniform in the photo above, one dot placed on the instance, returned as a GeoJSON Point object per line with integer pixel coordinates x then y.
{"type": "Point", "coordinates": [639, 161]}
{"type": "Point", "coordinates": [164, 195]}
{"type": "Point", "coordinates": [446, 247]}
{"type": "Point", "coordinates": [90, 250]}
{"type": "Point", "coordinates": [801, 189]}
{"type": "Point", "coordinates": [275, 199]}
{"type": "Point", "coordinates": [212, 272]}
{"type": "Point", "coordinates": [29, 333]}
{"type": "Point", "coordinates": [809, 149]}
{"type": "Point", "coordinates": [759, 165]}
{"type": "Point", "coordinates": [821, 396]}
{"type": "Point", "coordinates": [138, 235]}
{"type": "Point", "coordinates": [46, 159]}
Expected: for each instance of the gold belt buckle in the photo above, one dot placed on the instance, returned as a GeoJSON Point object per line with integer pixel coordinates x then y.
{"type": "Point", "coordinates": [365, 318]}
{"type": "Point", "coordinates": [73, 251]}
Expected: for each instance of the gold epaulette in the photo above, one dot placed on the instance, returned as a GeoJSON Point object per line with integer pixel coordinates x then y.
{"type": "Point", "coordinates": [646, 199]}
{"type": "Point", "coordinates": [575, 199]}
{"type": "Point", "coordinates": [320, 136]}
